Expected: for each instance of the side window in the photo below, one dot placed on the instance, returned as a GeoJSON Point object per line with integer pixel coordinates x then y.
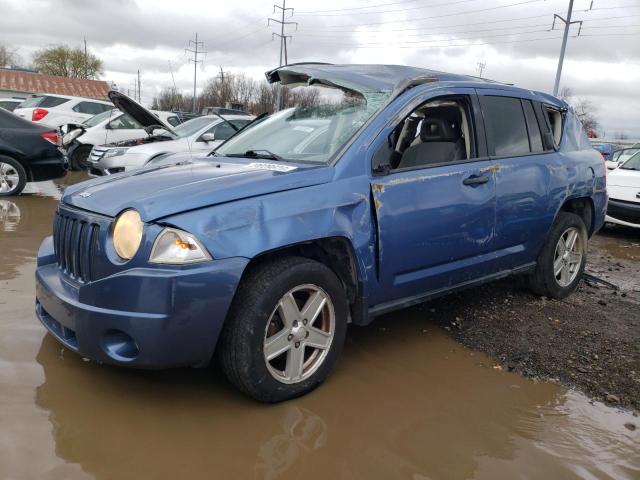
{"type": "Point", "coordinates": [535, 137]}
{"type": "Point", "coordinates": [223, 131]}
{"type": "Point", "coordinates": [50, 102]}
{"type": "Point", "coordinates": [506, 126]}
{"type": "Point", "coordinates": [91, 108]}
{"type": "Point", "coordinates": [435, 133]}
{"type": "Point", "coordinates": [124, 122]}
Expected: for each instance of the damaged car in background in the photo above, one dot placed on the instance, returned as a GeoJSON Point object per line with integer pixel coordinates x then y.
{"type": "Point", "coordinates": [109, 127]}
{"type": "Point", "coordinates": [198, 135]}
{"type": "Point", "coordinates": [395, 186]}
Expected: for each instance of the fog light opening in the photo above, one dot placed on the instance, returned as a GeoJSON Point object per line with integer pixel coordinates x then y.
{"type": "Point", "coordinates": [120, 346]}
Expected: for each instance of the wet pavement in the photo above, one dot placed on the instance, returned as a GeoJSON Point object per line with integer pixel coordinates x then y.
{"type": "Point", "coordinates": [405, 401]}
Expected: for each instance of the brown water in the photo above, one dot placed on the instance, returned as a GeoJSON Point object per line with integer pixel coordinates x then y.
{"type": "Point", "coordinates": [405, 401]}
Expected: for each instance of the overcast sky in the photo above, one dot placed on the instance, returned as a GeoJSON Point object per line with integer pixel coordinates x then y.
{"type": "Point", "coordinates": [512, 37]}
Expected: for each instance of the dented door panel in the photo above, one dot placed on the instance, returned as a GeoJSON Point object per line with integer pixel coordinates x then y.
{"type": "Point", "coordinates": [434, 231]}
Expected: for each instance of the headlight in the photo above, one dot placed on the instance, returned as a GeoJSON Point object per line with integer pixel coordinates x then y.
{"type": "Point", "coordinates": [177, 247]}
{"type": "Point", "coordinates": [127, 234]}
{"type": "Point", "coordinates": [115, 152]}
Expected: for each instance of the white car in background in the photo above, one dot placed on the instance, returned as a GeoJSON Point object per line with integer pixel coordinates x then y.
{"type": "Point", "coordinates": [620, 156]}
{"type": "Point", "coordinates": [201, 134]}
{"type": "Point", "coordinates": [623, 187]}
{"type": "Point", "coordinates": [57, 110]}
{"type": "Point", "coordinates": [109, 127]}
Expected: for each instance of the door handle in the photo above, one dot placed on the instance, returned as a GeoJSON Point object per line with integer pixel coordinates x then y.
{"type": "Point", "coordinates": [475, 180]}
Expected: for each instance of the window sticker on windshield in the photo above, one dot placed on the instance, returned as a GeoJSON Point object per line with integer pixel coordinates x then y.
{"type": "Point", "coordinates": [304, 129]}
{"type": "Point", "coordinates": [271, 166]}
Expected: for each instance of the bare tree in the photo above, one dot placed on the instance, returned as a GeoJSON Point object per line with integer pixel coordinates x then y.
{"type": "Point", "coordinates": [585, 109]}
{"type": "Point", "coordinates": [171, 99]}
{"type": "Point", "coordinates": [8, 56]}
{"type": "Point", "coordinates": [65, 61]}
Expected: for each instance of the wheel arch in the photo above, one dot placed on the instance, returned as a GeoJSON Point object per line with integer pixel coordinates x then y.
{"type": "Point", "coordinates": [584, 208]}
{"type": "Point", "coordinates": [335, 252]}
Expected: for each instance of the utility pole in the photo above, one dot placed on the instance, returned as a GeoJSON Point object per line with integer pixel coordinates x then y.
{"type": "Point", "coordinates": [567, 25]}
{"type": "Point", "coordinates": [197, 50]}
{"type": "Point", "coordinates": [221, 76]}
{"type": "Point", "coordinates": [139, 89]}
{"type": "Point", "coordinates": [86, 73]}
{"type": "Point", "coordinates": [481, 66]}
{"type": "Point", "coordinates": [283, 42]}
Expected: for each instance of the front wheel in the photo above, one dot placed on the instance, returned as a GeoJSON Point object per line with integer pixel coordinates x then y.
{"type": "Point", "coordinates": [563, 257]}
{"type": "Point", "coordinates": [13, 177]}
{"type": "Point", "coordinates": [285, 329]}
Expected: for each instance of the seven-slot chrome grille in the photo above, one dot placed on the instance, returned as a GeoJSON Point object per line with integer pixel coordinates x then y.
{"type": "Point", "coordinates": [75, 242]}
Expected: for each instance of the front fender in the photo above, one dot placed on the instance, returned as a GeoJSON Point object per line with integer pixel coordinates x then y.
{"type": "Point", "coordinates": [249, 227]}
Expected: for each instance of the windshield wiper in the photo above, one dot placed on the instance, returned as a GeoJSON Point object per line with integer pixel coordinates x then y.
{"type": "Point", "coordinates": [259, 117]}
{"type": "Point", "coordinates": [258, 153]}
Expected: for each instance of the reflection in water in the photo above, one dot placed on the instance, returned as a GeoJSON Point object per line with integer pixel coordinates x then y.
{"type": "Point", "coordinates": [302, 432]}
{"type": "Point", "coordinates": [9, 215]}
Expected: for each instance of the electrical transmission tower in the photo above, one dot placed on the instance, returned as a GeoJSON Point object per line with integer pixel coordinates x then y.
{"type": "Point", "coordinates": [567, 24]}
{"type": "Point", "coordinates": [198, 49]}
{"type": "Point", "coordinates": [283, 38]}
{"type": "Point", "coordinates": [481, 66]}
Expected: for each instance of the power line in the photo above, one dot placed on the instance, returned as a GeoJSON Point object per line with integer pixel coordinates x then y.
{"type": "Point", "coordinates": [420, 7]}
{"type": "Point", "coordinates": [360, 8]}
{"type": "Point", "coordinates": [196, 45]}
{"type": "Point", "coordinates": [465, 12]}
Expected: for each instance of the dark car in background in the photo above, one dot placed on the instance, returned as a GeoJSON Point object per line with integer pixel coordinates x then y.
{"type": "Point", "coordinates": [28, 153]}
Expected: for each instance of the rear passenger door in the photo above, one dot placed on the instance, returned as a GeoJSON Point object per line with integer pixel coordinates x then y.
{"type": "Point", "coordinates": [523, 176]}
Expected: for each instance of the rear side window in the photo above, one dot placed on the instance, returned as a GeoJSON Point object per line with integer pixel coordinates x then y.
{"type": "Point", "coordinates": [31, 102]}
{"type": "Point", "coordinates": [533, 127]}
{"type": "Point", "coordinates": [91, 108]}
{"type": "Point", "coordinates": [49, 102]}
{"type": "Point", "coordinates": [506, 126]}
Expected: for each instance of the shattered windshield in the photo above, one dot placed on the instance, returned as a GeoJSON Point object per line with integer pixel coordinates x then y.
{"type": "Point", "coordinates": [319, 124]}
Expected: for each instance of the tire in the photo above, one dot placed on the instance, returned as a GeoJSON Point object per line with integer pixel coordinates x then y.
{"type": "Point", "coordinates": [545, 280]}
{"type": "Point", "coordinates": [256, 315]}
{"type": "Point", "coordinates": [13, 177]}
{"type": "Point", "coordinates": [78, 159]}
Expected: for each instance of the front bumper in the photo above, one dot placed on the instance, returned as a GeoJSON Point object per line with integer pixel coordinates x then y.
{"type": "Point", "coordinates": [623, 212]}
{"type": "Point", "coordinates": [142, 317]}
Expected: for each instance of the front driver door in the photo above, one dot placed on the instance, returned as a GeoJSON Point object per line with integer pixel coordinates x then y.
{"type": "Point", "coordinates": [436, 224]}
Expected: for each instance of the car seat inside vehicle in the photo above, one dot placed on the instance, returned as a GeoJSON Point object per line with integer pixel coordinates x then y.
{"type": "Point", "coordinates": [434, 133]}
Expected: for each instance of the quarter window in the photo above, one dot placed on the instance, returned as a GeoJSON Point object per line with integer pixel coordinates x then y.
{"type": "Point", "coordinates": [506, 126]}
{"type": "Point", "coordinates": [49, 102]}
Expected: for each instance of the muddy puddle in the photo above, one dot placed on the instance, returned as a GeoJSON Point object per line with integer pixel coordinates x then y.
{"type": "Point", "coordinates": [406, 401]}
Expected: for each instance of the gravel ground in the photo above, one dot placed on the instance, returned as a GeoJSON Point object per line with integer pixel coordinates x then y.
{"type": "Point", "coordinates": [589, 341]}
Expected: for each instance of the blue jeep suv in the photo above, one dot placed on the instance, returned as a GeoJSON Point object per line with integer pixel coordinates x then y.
{"type": "Point", "coordinates": [383, 187]}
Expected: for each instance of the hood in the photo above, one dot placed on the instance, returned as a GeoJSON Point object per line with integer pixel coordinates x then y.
{"type": "Point", "coordinates": [621, 177]}
{"type": "Point", "coordinates": [136, 111]}
{"type": "Point", "coordinates": [191, 184]}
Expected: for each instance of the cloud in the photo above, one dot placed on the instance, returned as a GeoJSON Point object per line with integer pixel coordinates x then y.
{"type": "Point", "coordinates": [513, 40]}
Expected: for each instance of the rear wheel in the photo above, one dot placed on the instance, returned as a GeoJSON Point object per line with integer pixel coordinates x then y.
{"type": "Point", "coordinates": [13, 176]}
{"type": "Point", "coordinates": [563, 257]}
{"type": "Point", "coordinates": [78, 159]}
{"type": "Point", "coordinates": [285, 329]}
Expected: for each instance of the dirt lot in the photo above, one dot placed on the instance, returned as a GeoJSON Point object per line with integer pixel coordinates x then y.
{"type": "Point", "coordinates": [590, 341]}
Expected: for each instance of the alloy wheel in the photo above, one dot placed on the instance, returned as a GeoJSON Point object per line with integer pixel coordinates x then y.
{"type": "Point", "coordinates": [568, 257]}
{"type": "Point", "coordinates": [299, 333]}
{"type": "Point", "coordinates": [9, 178]}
